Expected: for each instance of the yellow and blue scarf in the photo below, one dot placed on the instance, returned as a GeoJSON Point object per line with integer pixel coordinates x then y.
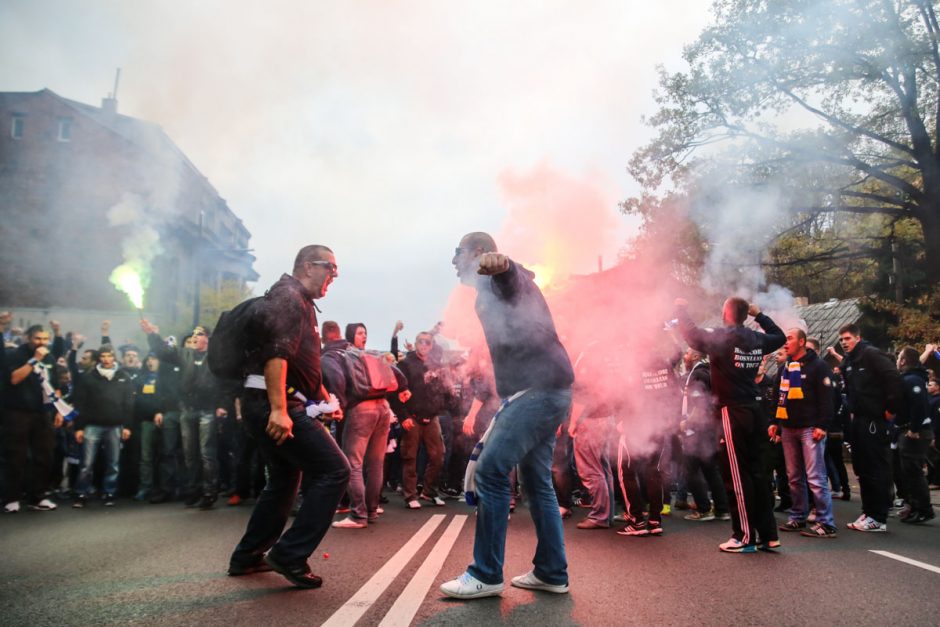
{"type": "Point", "coordinates": [791, 386]}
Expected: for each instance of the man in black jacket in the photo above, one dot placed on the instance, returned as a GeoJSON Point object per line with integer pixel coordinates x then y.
{"type": "Point", "coordinates": [203, 405]}
{"type": "Point", "coordinates": [735, 354]}
{"type": "Point", "coordinates": [804, 413]}
{"type": "Point", "coordinates": [105, 404]}
{"type": "Point", "coordinates": [427, 401]}
{"type": "Point", "coordinates": [916, 433]}
{"type": "Point", "coordinates": [28, 422]}
{"type": "Point", "coordinates": [286, 355]}
{"type": "Point", "coordinates": [873, 391]}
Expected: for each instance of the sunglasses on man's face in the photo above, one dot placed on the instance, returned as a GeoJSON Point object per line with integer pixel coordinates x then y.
{"type": "Point", "coordinates": [329, 265]}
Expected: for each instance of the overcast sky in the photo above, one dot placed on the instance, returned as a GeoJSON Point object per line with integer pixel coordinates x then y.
{"type": "Point", "coordinates": [383, 129]}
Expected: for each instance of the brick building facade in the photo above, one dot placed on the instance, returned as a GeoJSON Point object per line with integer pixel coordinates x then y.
{"type": "Point", "coordinates": [68, 171]}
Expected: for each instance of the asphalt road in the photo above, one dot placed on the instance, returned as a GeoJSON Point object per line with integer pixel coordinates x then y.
{"type": "Point", "coordinates": [165, 565]}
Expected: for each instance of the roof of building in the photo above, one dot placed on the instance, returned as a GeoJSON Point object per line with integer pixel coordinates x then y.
{"type": "Point", "coordinates": [824, 319]}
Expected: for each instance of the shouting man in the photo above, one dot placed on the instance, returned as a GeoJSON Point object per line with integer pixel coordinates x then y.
{"type": "Point", "coordinates": [534, 378]}
{"type": "Point", "coordinates": [285, 353]}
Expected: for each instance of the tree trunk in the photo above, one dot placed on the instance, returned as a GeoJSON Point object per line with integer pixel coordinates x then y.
{"type": "Point", "coordinates": [930, 222]}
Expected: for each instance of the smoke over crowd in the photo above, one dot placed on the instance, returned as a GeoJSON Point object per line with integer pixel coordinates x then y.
{"type": "Point", "coordinates": [556, 224]}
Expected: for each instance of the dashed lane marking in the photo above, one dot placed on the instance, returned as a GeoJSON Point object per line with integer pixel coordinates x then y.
{"type": "Point", "coordinates": [366, 596]}
{"type": "Point", "coordinates": [407, 605]}
{"type": "Point", "coordinates": [907, 560]}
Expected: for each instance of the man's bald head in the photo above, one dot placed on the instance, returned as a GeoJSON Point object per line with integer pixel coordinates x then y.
{"type": "Point", "coordinates": [478, 240]}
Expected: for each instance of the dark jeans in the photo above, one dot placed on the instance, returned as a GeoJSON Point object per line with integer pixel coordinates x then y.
{"type": "Point", "coordinates": [704, 475]}
{"type": "Point", "coordinates": [28, 442]}
{"type": "Point", "coordinates": [645, 468]}
{"type": "Point", "coordinates": [913, 458]}
{"type": "Point", "coordinates": [170, 448]}
{"type": "Point", "coordinates": [871, 460]}
{"type": "Point", "coordinates": [775, 469]}
{"type": "Point", "coordinates": [200, 430]}
{"type": "Point", "coordinates": [312, 451]}
{"type": "Point", "coordinates": [430, 435]}
{"type": "Point", "coordinates": [249, 470]}
{"type": "Point", "coordinates": [149, 444]}
{"type": "Point", "coordinates": [742, 458]}
{"type": "Point", "coordinates": [835, 464]}
{"type": "Point", "coordinates": [562, 471]}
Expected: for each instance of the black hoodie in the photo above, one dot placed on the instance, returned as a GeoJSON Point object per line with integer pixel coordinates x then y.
{"type": "Point", "coordinates": [872, 382]}
{"type": "Point", "coordinates": [734, 354]}
{"type": "Point", "coordinates": [915, 409]}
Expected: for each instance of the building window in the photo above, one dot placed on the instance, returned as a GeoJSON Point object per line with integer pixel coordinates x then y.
{"type": "Point", "coordinates": [16, 127]}
{"type": "Point", "coordinates": [65, 129]}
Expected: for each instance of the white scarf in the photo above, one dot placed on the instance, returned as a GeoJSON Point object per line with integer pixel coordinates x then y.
{"type": "Point", "coordinates": [107, 373]}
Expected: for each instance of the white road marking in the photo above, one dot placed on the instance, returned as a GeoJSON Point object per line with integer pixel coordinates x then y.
{"type": "Point", "coordinates": [407, 605]}
{"type": "Point", "coordinates": [907, 560]}
{"type": "Point", "coordinates": [366, 596]}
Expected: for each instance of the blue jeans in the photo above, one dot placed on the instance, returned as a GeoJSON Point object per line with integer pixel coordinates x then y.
{"type": "Point", "coordinates": [200, 432]}
{"type": "Point", "coordinates": [97, 437]}
{"type": "Point", "coordinates": [365, 438]}
{"type": "Point", "coordinates": [806, 462]}
{"type": "Point", "coordinates": [524, 435]}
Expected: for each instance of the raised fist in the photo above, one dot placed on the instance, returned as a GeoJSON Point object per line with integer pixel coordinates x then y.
{"type": "Point", "coordinates": [753, 309]}
{"type": "Point", "coordinates": [493, 263]}
{"type": "Point", "coordinates": [41, 353]}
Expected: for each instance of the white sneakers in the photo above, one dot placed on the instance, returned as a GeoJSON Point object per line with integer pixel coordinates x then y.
{"type": "Point", "coordinates": [350, 523]}
{"type": "Point", "coordinates": [45, 505]}
{"type": "Point", "coordinates": [867, 523]}
{"type": "Point", "coordinates": [467, 586]}
{"type": "Point", "coordinates": [414, 504]}
{"type": "Point", "coordinates": [530, 582]}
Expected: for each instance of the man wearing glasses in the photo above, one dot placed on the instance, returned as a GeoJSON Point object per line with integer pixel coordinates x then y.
{"type": "Point", "coordinates": [284, 371]}
{"type": "Point", "coordinates": [534, 378]}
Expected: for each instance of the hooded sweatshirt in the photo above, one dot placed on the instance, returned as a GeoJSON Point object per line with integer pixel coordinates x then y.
{"type": "Point", "coordinates": [734, 355]}
{"type": "Point", "coordinates": [914, 412]}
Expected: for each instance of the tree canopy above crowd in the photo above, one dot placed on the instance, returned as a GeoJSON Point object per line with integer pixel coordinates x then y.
{"type": "Point", "coordinates": [836, 102]}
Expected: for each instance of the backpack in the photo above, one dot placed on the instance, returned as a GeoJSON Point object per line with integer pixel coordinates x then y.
{"type": "Point", "coordinates": [368, 375]}
{"type": "Point", "coordinates": [231, 341]}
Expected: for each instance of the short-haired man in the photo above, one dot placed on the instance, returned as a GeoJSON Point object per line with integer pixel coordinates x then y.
{"type": "Point", "coordinates": [534, 377]}
{"type": "Point", "coordinates": [916, 433]}
{"type": "Point", "coordinates": [203, 404]}
{"type": "Point", "coordinates": [735, 354]}
{"type": "Point", "coordinates": [873, 390]}
{"type": "Point", "coordinates": [804, 412]}
{"type": "Point", "coordinates": [105, 403]}
{"type": "Point", "coordinates": [286, 354]}
{"type": "Point", "coordinates": [422, 424]}
{"type": "Point", "coordinates": [28, 423]}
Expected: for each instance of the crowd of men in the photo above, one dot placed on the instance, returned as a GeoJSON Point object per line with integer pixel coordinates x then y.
{"type": "Point", "coordinates": [754, 422]}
